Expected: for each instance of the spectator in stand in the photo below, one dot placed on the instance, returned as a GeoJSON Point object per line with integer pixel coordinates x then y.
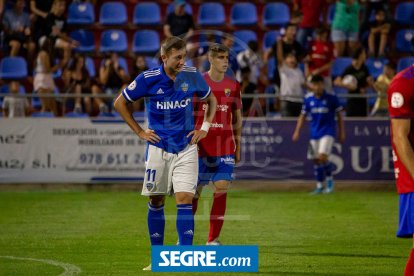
{"type": "Point", "coordinates": [39, 10]}
{"type": "Point", "coordinates": [292, 84]}
{"type": "Point", "coordinates": [368, 6]}
{"type": "Point", "coordinates": [43, 80]}
{"type": "Point", "coordinates": [283, 46]}
{"type": "Point", "coordinates": [356, 106]}
{"type": "Point", "coordinates": [320, 58]}
{"type": "Point", "coordinates": [138, 67]}
{"type": "Point", "coordinates": [378, 34]}
{"type": "Point", "coordinates": [78, 81]}
{"type": "Point", "coordinates": [250, 58]}
{"type": "Point", "coordinates": [311, 10]}
{"type": "Point", "coordinates": [15, 106]}
{"type": "Point", "coordinates": [112, 77]}
{"type": "Point", "coordinates": [55, 29]}
{"type": "Point", "coordinates": [345, 26]}
{"type": "Point", "coordinates": [381, 86]}
{"type": "Point", "coordinates": [179, 23]}
{"type": "Point", "coordinates": [247, 88]}
{"type": "Point", "coordinates": [16, 24]}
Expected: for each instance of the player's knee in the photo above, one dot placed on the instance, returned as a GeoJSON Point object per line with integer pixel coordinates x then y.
{"type": "Point", "coordinates": [323, 158]}
{"type": "Point", "coordinates": [184, 198]}
{"type": "Point", "coordinates": [157, 200]}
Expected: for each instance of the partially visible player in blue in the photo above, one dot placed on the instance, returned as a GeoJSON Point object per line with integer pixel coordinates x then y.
{"type": "Point", "coordinates": [172, 158]}
{"type": "Point", "coordinates": [322, 108]}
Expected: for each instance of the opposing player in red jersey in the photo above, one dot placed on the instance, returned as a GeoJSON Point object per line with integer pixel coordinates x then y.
{"type": "Point", "coordinates": [401, 109]}
{"type": "Point", "coordinates": [220, 150]}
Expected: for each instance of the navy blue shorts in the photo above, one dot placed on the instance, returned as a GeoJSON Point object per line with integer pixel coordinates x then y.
{"type": "Point", "coordinates": [215, 168]}
{"type": "Point", "coordinates": [406, 217]}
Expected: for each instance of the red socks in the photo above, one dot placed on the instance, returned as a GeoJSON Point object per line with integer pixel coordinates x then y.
{"type": "Point", "coordinates": [409, 269]}
{"type": "Point", "coordinates": [217, 215]}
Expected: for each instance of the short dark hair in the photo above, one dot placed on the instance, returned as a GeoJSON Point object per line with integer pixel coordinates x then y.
{"type": "Point", "coordinates": [317, 78]}
{"type": "Point", "coordinates": [170, 43]}
{"type": "Point", "coordinates": [216, 48]}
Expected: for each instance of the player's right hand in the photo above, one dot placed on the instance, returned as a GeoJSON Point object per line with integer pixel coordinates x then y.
{"type": "Point", "coordinates": [295, 137]}
{"type": "Point", "coordinates": [150, 136]}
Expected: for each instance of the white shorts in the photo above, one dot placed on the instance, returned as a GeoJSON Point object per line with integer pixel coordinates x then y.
{"type": "Point", "coordinates": [168, 173]}
{"type": "Point", "coordinates": [320, 146]}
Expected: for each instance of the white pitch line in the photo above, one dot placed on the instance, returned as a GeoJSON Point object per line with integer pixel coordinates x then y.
{"type": "Point", "coordinates": [70, 269]}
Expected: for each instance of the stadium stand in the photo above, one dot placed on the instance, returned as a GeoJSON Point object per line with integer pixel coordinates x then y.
{"type": "Point", "coordinates": [113, 13]}
{"type": "Point", "coordinates": [276, 14]}
{"type": "Point", "coordinates": [13, 68]}
{"type": "Point", "coordinates": [243, 14]}
{"type": "Point", "coordinates": [404, 13]}
{"type": "Point", "coordinates": [269, 38]}
{"type": "Point", "coordinates": [113, 41]}
{"type": "Point", "coordinates": [339, 65]}
{"type": "Point", "coordinates": [81, 13]}
{"type": "Point", "coordinates": [404, 63]}
{"type": "Point", "coordinates": [86, 40]}
{"type": "Point", "coordinates": [146, 42]}
{"type": "Point", "coordinates": [45, 114]}
{"type": "Point", "coordinates": [211, 14]}
{"type": "Point", "coordinates": [404, 38]}
{"type": "Point", "coordinates": [241, 38]}
{"type": "Point", "coordinates": [147, 13]}
{"type": "Point", "coordinates": [376, 66]}
{"type": "Point", "coordinates": [188, 8]}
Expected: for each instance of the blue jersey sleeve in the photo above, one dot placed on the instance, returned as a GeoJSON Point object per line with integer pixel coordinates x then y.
{"type": "Point", "coordinates": [203, 90]}
{"type": "Point", "coordinates": [136, 89]}
{"type": "Point", "coordinates": [305, 107]}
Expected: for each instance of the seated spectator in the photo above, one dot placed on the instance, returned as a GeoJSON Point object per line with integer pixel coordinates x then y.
{"type": "Point", "coordinates": [15, 106]}
{"type": "Point", "coordinates": [311, 11]}
{"type": "Point", "coordinates": [283, 46]}
{"type": "Point", "coordinates": [179, 23]}
{"type": "Point", "coordinates": [39, 10]}
{"type": "Point", "coordinates": [378, 34]}
{"type": "Point", "coordinates": [250, 58]}
{"type": "Point", "coordinates": [247, 88]}
{"type": "Point", "coordinates": [113, 78]}
{"type": "Point", "coordinates": [292, 84]}
{"type": "Point", "coordinates": [43, 80]}
{"type": "Point", "coordinates": [368, 6]}
{"type": "Point", "coordinates": [55, 29]}
{"type": "Point", "coordinates": [320, 58]}
{"type": "Point", "coordinates": [78, 81]}
{"type": "Point", "coordinates": [356, 107]}
{"type": "Point", "coordinates": [381, 86]}
{"type": "Point", "coordinates": [345, 26]}
{"type": "Point", "coordinates": [16, 24]}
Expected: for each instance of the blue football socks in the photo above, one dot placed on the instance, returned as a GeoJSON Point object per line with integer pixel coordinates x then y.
{"type": "Point", "coordinates": [185, 224]}
{"type": "Point", "coordinates": [156, 224]}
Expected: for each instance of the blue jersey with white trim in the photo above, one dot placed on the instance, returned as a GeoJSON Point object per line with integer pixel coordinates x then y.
{"type": "Point", "coordinates": [168, 103]}
{"type": "Point", "coordinates": [322, 112]}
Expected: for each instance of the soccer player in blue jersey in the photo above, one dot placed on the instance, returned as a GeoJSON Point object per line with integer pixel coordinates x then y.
{"type": "Point", "coordinates": [322, 108]}
{"type": "Point", "coordinates": [172, 158]}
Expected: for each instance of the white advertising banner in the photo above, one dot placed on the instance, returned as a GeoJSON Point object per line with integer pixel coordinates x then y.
{"type": "Point", "coordinates": [34, 150]}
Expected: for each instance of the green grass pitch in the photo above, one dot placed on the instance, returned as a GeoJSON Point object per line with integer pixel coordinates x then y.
{"type": "Point", "coordinates": [105, 233]}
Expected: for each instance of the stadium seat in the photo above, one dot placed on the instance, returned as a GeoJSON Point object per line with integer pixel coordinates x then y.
{"type": "Point", "coordinates": [276, 14]}
{"type": "Point", "coordinates": [404, 38]}
{"type": "Point", "coordinates": [188, 8]}
{"type": "Point", "coordinates": [404, 13]}
{"type": "Point", "coordinates": [331, 13]}
{"type": "Point", "coordinates": [146, 42]}
{"type": "Point", "coordinates": [147, 13]}
{"type": "Point", "coordinates": [404, 63]}
{"type": "Point", "coordinates": [269, 38]}
{"type": "Point", "coordinates": [113, 13]}
{"type": "Point", "coordinates": [341, 91]}
{"type": "Point", "coordinates": [13, 68]}
{"type": "Point", "coordinates": [271, 66]}
{"type": "Point", "coordinates": [243, 14]}
{"type": "Point", "coordinates": [241, 38]}
{"type": "Point", "coordinates": [113, 41]}
{"type": "Point", "coordinates": [86, 40]}
{"type": "Point", "coordinates": [43, 115]}
{"type": "Point", "coordinates": [81, 13]}
{"type": "Point", "coordinates": [211, 14]}
{"type": "Point", "coordinates": [90, 66]}
{"type": "Point", "coordinates": [376, 66]}
{"type": "Point", "coordinates": [339, 65]}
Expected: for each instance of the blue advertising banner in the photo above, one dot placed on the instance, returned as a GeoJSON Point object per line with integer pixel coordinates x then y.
{"type": "Point", "coordinates": [205, 258]}
{"type": "Point", "coordinates": [268, 151]}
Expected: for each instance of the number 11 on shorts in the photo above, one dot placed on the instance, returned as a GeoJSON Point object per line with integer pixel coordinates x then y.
{"type": "Point", "coordinates": [149, 172]}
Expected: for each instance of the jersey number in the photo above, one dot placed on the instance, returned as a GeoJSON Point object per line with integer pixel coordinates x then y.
{"type": "Point", "coordinates": [150, 172]}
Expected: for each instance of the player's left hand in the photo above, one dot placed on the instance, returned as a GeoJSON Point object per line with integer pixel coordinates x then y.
{"type": "Point", "coordinates": [197, 136]}
{"type": "Point", "coordinates": [237, 155]}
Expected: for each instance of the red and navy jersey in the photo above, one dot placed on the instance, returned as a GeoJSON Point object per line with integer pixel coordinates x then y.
{"type": "Point", "coordinates": [401, 105]}
{"type": "Point", "coordinates": [220, 140]}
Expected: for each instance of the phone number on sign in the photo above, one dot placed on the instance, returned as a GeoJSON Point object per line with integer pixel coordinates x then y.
{"type": "Point", "coordinates": [111, 158]}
